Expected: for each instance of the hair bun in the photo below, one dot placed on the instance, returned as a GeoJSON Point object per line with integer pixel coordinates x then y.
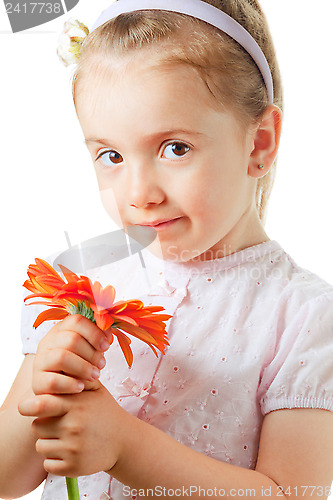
{"type": "Point", "coordinates": [70, 41]}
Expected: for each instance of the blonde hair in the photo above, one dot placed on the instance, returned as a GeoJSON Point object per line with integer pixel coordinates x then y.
{"type": "Point", "coordinates": [225, 67]}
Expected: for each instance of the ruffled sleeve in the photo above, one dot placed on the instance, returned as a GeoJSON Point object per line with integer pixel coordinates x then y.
{"type": "Point", "coordinates": [300, 375]}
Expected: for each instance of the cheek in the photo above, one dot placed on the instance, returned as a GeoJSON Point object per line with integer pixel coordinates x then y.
{"type": "Point", "coordinates": [111, 205]}
{"type": "Point", "coordinates": [220, 184]}
{"type": "Point", "coordinates": [202, 194]}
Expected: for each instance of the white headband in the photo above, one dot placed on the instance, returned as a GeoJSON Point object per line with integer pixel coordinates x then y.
{"type": "Point", "coordinates": [205, 12]}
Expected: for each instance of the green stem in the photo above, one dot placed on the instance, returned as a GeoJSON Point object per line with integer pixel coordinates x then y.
{"type": "Point", "coordinates": [72, 488]}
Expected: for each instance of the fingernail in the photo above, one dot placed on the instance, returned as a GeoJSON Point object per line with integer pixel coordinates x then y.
{"type": "Point", "coordinates": [80, 386]}
{"type": "Point", "coordinates": [101, 363]}
{"type": "Point", "coordinates": [105, 345]}
{"type": "Point", "coordinates": [95, 373]}
{"type": "Point", "coordinates": [108, 335]}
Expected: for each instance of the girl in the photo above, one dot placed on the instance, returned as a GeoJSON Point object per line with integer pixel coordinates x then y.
{"type": "Point", "coordinates": [181, 112]}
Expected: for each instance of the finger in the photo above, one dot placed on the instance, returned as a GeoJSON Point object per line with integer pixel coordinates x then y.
{"type": "Point", "coordinates": [64, 361]}
{"type": "Point", "coordinates": [98, 339]}
{"type": "Point", "coordinates": [56, 383]}
{"type": "Point", "coordinates": [58, 467]}
{"type": "Point", "coordinates": [43, 406]}
{"type": "Point", "coordinates": [47, 428]}
{"type": "Point", "coordinates": [49, 448]}
{"type": "Point", "coordinates": [66, 341]}
{"type": "Point", "coordinates": [72, 341]}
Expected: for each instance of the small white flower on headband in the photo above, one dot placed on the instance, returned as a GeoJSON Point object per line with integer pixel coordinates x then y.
{"type": "Point", "coordinates": [70, 41]}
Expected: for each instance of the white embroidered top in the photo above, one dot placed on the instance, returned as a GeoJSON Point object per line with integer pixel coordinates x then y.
{"type": "Point", "coordinates": [251, 333]}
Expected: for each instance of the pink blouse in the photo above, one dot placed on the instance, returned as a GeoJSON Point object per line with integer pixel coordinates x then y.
{"type": "Point", "coordinates": [251, 333]}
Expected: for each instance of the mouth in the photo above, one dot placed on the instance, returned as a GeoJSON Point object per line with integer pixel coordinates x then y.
{"type": "Point", "coordinates": [158, 226]}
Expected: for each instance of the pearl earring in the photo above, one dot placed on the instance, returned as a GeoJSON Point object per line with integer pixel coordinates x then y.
{"type": "Point", "coordinates": [261, 166]}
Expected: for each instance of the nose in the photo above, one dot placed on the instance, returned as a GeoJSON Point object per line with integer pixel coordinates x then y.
{"type": "Point", "coordinates": [144, 186]}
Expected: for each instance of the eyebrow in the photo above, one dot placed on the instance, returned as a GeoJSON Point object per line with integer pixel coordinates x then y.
{"type": "Point", "coordinates": [149, 138]}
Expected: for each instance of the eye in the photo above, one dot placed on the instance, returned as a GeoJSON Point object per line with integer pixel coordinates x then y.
{"type": "Point", "coordinates": [178, 149]}
{"type": "Point", "coordinates": [110, 158]}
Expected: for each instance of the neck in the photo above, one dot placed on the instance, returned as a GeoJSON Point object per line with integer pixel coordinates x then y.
{"type": "Point", "coordinates": [248, 231]}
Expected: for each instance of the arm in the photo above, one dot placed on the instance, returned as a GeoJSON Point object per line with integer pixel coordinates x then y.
{"type": "Point", "coordinates": [296, 452]}
{"type": "Point", "coordinates": [21, 467]}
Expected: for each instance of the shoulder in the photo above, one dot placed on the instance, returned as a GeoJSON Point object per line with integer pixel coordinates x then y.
{"type": "Point", "coordinates": [300, 288]}
{"type": "Point", "coordinates": [304, 308]}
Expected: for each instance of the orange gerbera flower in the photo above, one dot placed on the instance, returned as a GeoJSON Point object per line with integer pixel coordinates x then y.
{"type": "Point", "coordinates": [79, 295]}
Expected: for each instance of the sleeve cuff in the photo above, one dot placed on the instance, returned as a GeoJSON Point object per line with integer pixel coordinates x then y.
{"type": "Point", "coordinates": [290, 402]}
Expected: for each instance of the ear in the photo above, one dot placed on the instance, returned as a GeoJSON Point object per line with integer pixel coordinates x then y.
{"type": "Point", "coordinates": [266, 140]}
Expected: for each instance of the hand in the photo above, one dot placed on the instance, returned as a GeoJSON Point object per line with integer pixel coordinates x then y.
{"type": "Point", "coordinates": [69, 357]}
{"type": "Point", "coordinates": [78, 434]}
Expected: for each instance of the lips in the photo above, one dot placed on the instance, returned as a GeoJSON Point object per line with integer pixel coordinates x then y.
{"type": "Point", "coordinates": [162, 222]}
{"type": "Point", "coordinates": [162, 225]}
{"type": "Point", "coordinates": [157, 222]}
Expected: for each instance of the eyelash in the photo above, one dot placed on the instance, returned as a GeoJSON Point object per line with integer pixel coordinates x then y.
{"type": "Point", "coordinates": [169, 144]}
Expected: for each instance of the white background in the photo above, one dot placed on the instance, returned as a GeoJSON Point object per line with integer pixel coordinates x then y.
{"type": "Point", "coordinates": [47, 180]}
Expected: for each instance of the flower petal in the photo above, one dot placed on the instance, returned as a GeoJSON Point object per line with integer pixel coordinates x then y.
{"type": "Point", "coordinates": [45, 268]}
{"type": "Point", "coordinates": [155, 308]}
{"type": "Point", "coordinates": [39, 295]}
{"type": "Point", "coordinates": [69, 275]}
{"type": "Point", "coordinates": [138, 332]}
{"type": "Point", "coordinates": [103, 298]}
{"type": "Point", "coordinates": [127, 319]}
{"type": "Point", "coordinates": [124, 343]}
{"type": "Point", "coordinates": [50, 314]}
{"type": "Point", "coordinates": [29, 286]}
{"type": "Point", "coordinates": [103, 321]}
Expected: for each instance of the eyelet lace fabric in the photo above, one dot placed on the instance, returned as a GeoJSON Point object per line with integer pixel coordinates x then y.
{"type": "Point", "coordinates": [251, 333]}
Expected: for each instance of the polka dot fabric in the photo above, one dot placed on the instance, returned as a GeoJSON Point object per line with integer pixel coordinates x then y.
{"type": "Point", "coordinates": [251, 333]}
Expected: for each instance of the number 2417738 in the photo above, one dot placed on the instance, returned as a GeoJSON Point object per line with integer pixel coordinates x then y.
{"type": "Point", "coordinates": [34, 8]}
{"type": "Point", "coordinates": [317, 491]}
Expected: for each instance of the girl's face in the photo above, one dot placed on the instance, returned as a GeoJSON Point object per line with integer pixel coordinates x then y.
{"type": "Point", "coordinates": [163, 150]}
